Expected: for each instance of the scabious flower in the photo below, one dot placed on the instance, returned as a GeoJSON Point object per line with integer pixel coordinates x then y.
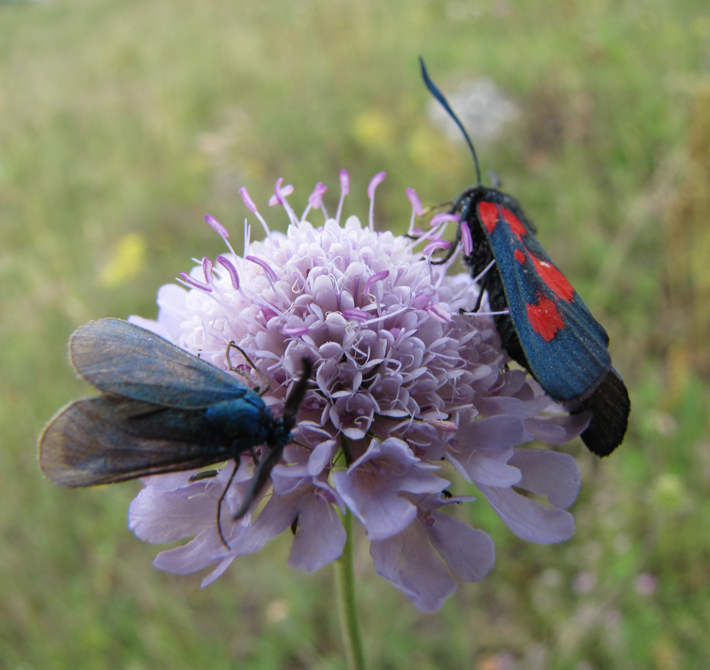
{"type": "Point", "coordinates": [406, 390]}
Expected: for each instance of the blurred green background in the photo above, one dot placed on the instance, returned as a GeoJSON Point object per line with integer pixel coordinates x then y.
{"type": "Point", "coordinates": [123, 123]}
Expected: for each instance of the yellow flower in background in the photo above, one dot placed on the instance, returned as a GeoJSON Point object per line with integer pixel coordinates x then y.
{"type": "Point", "coordinates": [127, 260]}
{"type": "Point", "coordinates": [373, 129]}
{"type": "Point", "coordinates": [426, 150]}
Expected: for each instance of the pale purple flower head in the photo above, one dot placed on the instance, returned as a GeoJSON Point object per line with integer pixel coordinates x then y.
{"type": "Point", "coordinates": [406, 391]}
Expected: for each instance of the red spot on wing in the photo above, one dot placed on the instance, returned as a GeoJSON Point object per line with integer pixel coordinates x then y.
{"type": "Point", "coordinates": [554, 279]}
{"type": "Point", "coordinates": [488, 212]}
{"type": "Point", "coordinates": [519, 256]}
{"type": "Point", "coordinates": [517, 228]}
{"type": "Point", "coordinates": [545, 319]}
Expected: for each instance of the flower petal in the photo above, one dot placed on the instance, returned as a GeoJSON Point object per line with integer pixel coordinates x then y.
{"type": "Point", "coordinates": [468, 552]}
{"type": "Point", "coordinates": [529, 519]}
{"type": "Point", "coordinates": [548, 473]}
{"type": "Point", "coordinates": [410, 563]}
{"type": "Point", "coordinates": [320, 536]}
{"type": "Point", "coordinates": [162, 516]}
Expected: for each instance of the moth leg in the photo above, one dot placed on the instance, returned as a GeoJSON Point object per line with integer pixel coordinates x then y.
{"type": "Point", "coordinates": [205, 474]}
{"type": "Point", "coordinates": [484, 288]}
{"type": "Point", "coordinates": [426, 211]}
{"type": "Point", "coordinates": [219, 504]}
{"type": "Point", "coordinates": [233, 345]}
{"type": "Point", "coordinates": [302, 445]}
{"type": "Point", "coordinates": [479, 300]}
{"type": "Point", "coordinates": [452, 248]}
{"type": "Point", "coordinates": [261, 476]}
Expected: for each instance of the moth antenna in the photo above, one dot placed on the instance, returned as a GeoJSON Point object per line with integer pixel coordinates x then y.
{"type": "Point", "coordinates": [433, 89]}
{"type": "Point", "coordinates": [233, 345]}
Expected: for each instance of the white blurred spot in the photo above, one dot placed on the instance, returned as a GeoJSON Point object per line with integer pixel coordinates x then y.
{"type": "Point", "coordinates": [482, 108]}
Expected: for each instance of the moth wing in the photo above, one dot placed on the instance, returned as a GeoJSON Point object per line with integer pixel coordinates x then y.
{"type": "Point", "coordinates": [111, 439]}
{"type": "Point", "coordinates": [610, 406]}
{"type": "Point", "coordinates": [121, 358]}
{"type": "Point", "coordinates": [564, 345]}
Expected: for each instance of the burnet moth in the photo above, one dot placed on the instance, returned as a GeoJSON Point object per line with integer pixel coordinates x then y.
{"type": "Point", "coordinates": [161, 409]}
{"type": "Point", "coordinates": [545, 326]}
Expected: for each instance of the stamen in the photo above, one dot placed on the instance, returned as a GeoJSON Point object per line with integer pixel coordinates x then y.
{"type": "Point", "coordinates": [376, 277]}
{"type": "Point", "coordinates": [447, 426]}
{"type": "Point", "coordinates": [421, 236]}
{"type": "Point", "coordinates": [439, 313]}
{"type": "Point", "coordinates": [279, 197]}
{"type": "Point", "coordinates": [444, 217]}
{"type": "Point", "coordinates": [344, 182]}
{"type": "Point", "coordinates": [247, 234]}
{"type": "Point", "coordinates": [435, 245]}
{"type": "Point", "coordinates": [417, 209]}
{"type": "Point", "coordinates": [194, 283]}
{"type": "Point", "coordinates": [374, 183]}
{"type": "Point", "coordinates": [344, 190]}
{"type": "Point", "coordinates": [252, 206]}
{"type": "Point", "coordinates": [280, 193]}
{"type": "Point", "coordinates": [387, 316]}
{"type": "Point", "coordinates": [355, 314]}
{"type": "Point", "coordinates": [217, 226]}
{"type": "Point", "coordinates": [269, 272]}
{"type": "Point", "coordinates": [443, 268]}
{"type": "Point", "coordinates": [207, 266]}
{"type": "Point", "coordinates": [414, 199]}
{"type": "Point", "coordinates": [466, 238]}
{"type": "Point", "coordinates": [315, 200]}
{"type": "Point", "coordinates": [229, 267]}
{"type": "Point", "coordinates": [220, 230]}
{"type": "Point", "coordinates": [294, 331]}
{"type": "Point", "coordinates": [247, 199]}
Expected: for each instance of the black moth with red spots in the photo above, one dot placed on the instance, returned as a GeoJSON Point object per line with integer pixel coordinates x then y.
{"type": "Point", "coordinates": [548, 328]}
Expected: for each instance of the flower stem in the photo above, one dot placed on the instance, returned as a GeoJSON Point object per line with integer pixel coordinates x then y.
{"type": "Point", "coordinates": [345, 577]}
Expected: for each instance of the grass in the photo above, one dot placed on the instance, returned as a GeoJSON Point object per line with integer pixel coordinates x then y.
{"type": "Point", "coordinates": [124, 122]}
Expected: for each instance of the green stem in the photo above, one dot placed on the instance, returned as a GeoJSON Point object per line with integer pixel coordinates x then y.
{"type": "Point", "coordinates": [345, 577]}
